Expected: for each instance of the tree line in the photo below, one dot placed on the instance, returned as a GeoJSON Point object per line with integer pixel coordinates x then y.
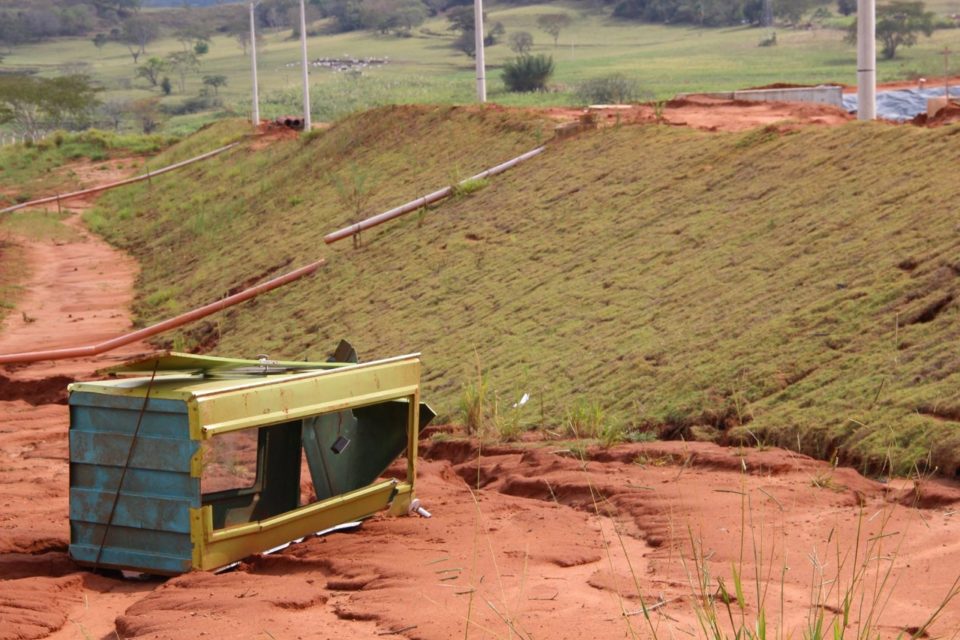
{"type": "Point", "coordinates": [23, 21]}
{"type": "Point", "coordinates": [714, 13]}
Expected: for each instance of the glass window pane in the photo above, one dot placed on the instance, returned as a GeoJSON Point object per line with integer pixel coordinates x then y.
{"type": "Point", "coordinates": [229, 461]}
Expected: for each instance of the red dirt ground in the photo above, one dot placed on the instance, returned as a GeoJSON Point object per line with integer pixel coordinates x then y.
{"type": "Point", "coordinates": [527, 542]}
{"type": "Point", "coordinates": [711, 114]}
{"type": "Point", "coordinates": [719, 114]}
{"type": "Point", "coordinates": [931, 82]}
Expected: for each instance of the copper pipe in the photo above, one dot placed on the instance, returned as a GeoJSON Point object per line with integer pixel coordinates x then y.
{"type": "Point", "coordinates": [423, 201]}
{"type": "Point", "coordinates": [160, 327]}
{"type": "Point", "coordinates": [112, 185]}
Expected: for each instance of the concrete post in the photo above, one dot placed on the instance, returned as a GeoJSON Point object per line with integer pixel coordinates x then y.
{"type": "Point", "coordinates": [481, 66]}
{"type": "Point", "coordinates": [866, 59]}
{"type": "Point", "coordinates": [306, 68]}
{"type": "Point", "coordinates": [255, 117]}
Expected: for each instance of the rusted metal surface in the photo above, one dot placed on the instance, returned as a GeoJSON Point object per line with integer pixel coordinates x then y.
{"type": "Point", "coordinates": [131, 488]}
{"type": "Point", "coordinates": [160, 327]}
{"type": "Point", "coordinates": [423, 201]}
{"type": "Point", "coordinates": [112, 185]}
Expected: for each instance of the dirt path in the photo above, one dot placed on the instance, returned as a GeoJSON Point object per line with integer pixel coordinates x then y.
{"type": "Point", "coordinates": [78, 292]}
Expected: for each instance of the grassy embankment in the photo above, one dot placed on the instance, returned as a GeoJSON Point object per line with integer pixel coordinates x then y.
{"type": "Point", "coordinates": [794, 289]}
{"type": "Point", "coordinates": [425, 68]}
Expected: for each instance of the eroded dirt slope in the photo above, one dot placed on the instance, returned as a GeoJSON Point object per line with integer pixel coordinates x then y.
{"type": "Point", "coordinates": [531, 542]}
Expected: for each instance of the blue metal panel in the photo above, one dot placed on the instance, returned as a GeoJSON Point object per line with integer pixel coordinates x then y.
{"type": "Point", "coordinates": [111, 449]}
{"type": "Point", "coordinates": [144, 512]}
{"type": "Point", "coordinates": [146, 561]}
{"type": "Point", "coordinates": [163, 542]}
{"type": "Point", "coordinates": [145, 482]}
{"type": "Point", "coordinates": [109, 401]}
{"type": "Point", "coordinates": [150, 527]}
{"type": "Point", "coordinates": [161, 419]}
{"type": "Point", "coordinates": [156, 425]}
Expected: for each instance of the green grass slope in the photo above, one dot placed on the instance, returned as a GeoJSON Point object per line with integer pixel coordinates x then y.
{"type": "Point", "coordinates": [792, 288]}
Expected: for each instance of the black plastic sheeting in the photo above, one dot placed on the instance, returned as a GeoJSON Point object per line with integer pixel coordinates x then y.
{"type": "Point", "coordinates": [901, 104]}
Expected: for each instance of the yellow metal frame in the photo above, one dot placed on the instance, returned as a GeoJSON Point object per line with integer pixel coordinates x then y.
{"type": "Point", "coordinates": [225, 409]}
{"type": "Point", "coordinates": [214, 548]}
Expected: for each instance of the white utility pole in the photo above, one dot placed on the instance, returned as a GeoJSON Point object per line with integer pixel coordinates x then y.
{"type": "Point", "coordinates": [306, 68]}
{"type": "Point", "coordinates": [478, 33]}
{"type": "Point", "coordinates": [866, 59]}
{"type": "Point", "coordinates": [255, 118]}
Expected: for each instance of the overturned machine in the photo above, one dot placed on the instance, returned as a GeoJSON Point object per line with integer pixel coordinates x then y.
{"type": "Point", "coordinates": [198, 462]}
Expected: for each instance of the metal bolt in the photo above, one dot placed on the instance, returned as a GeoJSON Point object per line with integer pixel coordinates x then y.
{"type": "Point", "coordinates": [419, 510]}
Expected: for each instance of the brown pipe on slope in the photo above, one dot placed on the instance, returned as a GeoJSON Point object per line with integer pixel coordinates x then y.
{"type": "Point", "coordinates": [423, 201]}
{"type": "Point", "coordinates": [120, 183]}
{"type": "Point", "coordinates": [172, 323]}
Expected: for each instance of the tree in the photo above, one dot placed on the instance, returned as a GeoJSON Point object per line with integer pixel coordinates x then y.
{"type": "Point", "coordinates": [76, 20]}
{"type": "Point", "coordinates": [151, 70]}
{"type": "Point", "coordinates": [239, 30]}
{"type": "Point", "coordinates": [100, 41]}
{"type": "Point", "coordinates": [242, 38]}
{"type": "Point", "coordinates": [520, 42]}
{"type": "Point", "coordinates": [277, 14]}
{"type": "Point", "coordinates": [398, 16]}
{"type": "Point", "coordinates": [191, 35]}
{"type": "Point", "coordinates": [183, 62]}
{"type": "Point", "coordinates": [116, 8]}
{"type": "Point", "coordinates": [348, 14]}
{"type": "Point", "coordinates": [39, 24]}
{"type": "Point", "coordinates": [34, 104]}
{"type": "Point", "coordinates": [114, 111]}
{"type": "Point", "coordinates": [146, 112]}
{"type": "Point", "coordinates": [847, 7]}
{"type": "Point", "coordinates": [553, 23]}
{"type": "Point", "coordinates": [407, 15]}
{"type": "Point", "coordinates": [136, 33]}
{"type": "Point", "coordinates": [493, 35]}
{"type": "Point", "coordinates": [898, 25]}
{"type": "Point", "coordinates": [710, 13]}
{"type": "Point", "coordinates": [215, 82]}
{"type": "Point", "coordinates": [461, 19]}
{"type": "Point", "coordinates": [466, 43]}
{"type": "Point", "coordinates": [792, 12]}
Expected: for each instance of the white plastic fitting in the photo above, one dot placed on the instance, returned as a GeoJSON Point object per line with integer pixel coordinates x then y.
{"type": "Point", "coordinates": [416, 507]}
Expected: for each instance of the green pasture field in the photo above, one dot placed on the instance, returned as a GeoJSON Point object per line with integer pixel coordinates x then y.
{"type": "Point", "coordinates": [425, 68]}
